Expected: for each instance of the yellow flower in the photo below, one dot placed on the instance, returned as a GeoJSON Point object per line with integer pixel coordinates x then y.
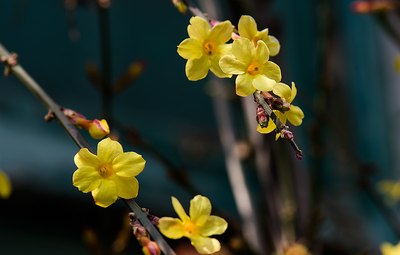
{"type": "Point", "coordinates": [295, 115]}
{"type": "Point", "coordinates": [251, 65]}
{"type": "Point", "coordinates": [389, 249]}
{"type": "Point", "coordinates": [248, 28]}
{"type": "Point", "coordinates": [5, 185]}
{"type": "Point", "coordinates": [391, 189]}
{"type": "Point", "coordinates": [110, 174]}
{"type": "Point", "coordinates": [205, 47]}
{"type": "Point", "coordinates": [197, 227]}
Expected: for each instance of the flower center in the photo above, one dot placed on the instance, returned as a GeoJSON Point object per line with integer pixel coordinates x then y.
{"type": "Point", "coordinates": [209, 48]}
{"type": "Point", "coordinates": [190, 228]}
{"type": "Point", "coordinates": [106, 170]}
{"type": "Point", "coordinates": [254, 69]}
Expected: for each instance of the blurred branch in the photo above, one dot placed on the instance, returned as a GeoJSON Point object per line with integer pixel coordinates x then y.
{"type": "Point", "coordinates": [49, 103]}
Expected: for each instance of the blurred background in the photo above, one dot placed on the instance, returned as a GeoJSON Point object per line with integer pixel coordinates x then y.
{"type": "Point", "coordinates": [199, 137]}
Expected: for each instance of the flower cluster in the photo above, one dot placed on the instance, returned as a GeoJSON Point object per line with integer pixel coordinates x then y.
{"type": "Point", "coordinates": [208, 48]}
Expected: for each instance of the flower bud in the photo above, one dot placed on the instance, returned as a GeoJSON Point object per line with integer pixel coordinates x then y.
{"type": "Point", "coordinates": [99, 128]}
{"type": "Point", "coordinates": [149, 247]}
{"type": "Point", "coordinates": [180, 5]}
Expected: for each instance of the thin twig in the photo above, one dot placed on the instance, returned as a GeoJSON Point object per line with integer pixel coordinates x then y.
{"type": "Point", "coordinates": [34, 87]}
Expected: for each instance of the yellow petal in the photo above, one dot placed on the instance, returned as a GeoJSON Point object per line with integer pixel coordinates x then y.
{"type": "Point", "coordinates": [244, 85]}
{"type": "Point", "coordinates": [216, 69]}
{"type": "Point", "coordinates": [221, 33]}
{"type": "Point", "coordinates": [282, 90]}
{"type": "Point", "coordinates": [242, 49]}
{"type": "Point", "coordinates": [205, 245]}
{"type": "Point", "coordinates": [261, 53]}
{"type": "Point", "coordinates": [179, 209]}
{"type": "Point", "coordinates": [263, 83]}
{"type": "Point", "coordinates": [86, 179]}
{"type": "Point", "coordinates": [197, 69]}
{"type": "Point", "coordinates": [273, 45]}
{"type": "Point", "coordinates": [5, 185]}
{"type": "Point", "coordinates": [295, 115]}
{"type": "Point", "coordinates": [389, 249]}
{"type": "Point", "coordinates": [268, 129]}
{"type": "Point", "coordinates": [128, 164]}
{"type": "Point", "coordinates": [108, 149]}
{"type": "Point", "coordinates": [171, 227]}
{"type": "Point", "coordinates": [85, 158]}
{"type": "Point", "coordinates": [294, 92]}
{"type": "Point", "coordinates": [198, 29]}
{"type": "Point", "coordinates": [126, 187]}
{"type": "Point", "coordinates": [247, 27]}
{"type": "Point", "coordinates": [386, 248]}
{"type": "Point", "coordinates": [272, 71]}
{"type": "Point", "coordinates": [213, 226]}
{"type": "Point", "coordinates": [231, 65]}
{"type": "Point", "coordinates": [224, 49]}
{"type": "Point", "coordinates": [190, 48]}
{"type": "Point", "coordinates": [105, 194]}
{"type": "Point", "coordinates": [200, 209]}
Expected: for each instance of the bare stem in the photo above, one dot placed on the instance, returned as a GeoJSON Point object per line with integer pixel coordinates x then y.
{"type": "Point", "coordinates": [52, 106]}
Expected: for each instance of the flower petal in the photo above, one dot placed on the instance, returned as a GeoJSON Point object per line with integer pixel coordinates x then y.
{"type": "Point", "coordinates": [231, 65]}
{"type": "Point", "coordinates": [171, 227]}
{"type": "Point", "coordinates": [221, 33]}
{"type": "Point", "coordinates": [200, 209]}
{"type": "Point", "coordinates": [86, 179]}
{"type": "Point", "coordinates": [294, 92]}
{"type": "Point", "coordinates": [242, 49]}
{"type": "Point", "coordinates": [205, 245]}
{"type": "Point", "coordinates": [282, 90]}
{"type": "Point", "coordinates": [216, 69]}
{"type": "Point", "coordinates": [268, 129]}
{"type": "Point", "coordinates": [295, 115]}
{"type": "Point", "coordinates": [247, 27]}
{"type": "Point", "coordinates": [108, 149]}
{"type": "Point", "coordinates": [197, 69]}
{"type": "Point", "coordinates": [244, 86]}
{"type": "Point", "coordinates": [179, 209]}
{"type": "Point", "coordinates": [128, 164]}
{"type": "Point", "coordinates": [5, 185]}
{"type": "Point", "coordinates": [85, 158]}
{"type": "Point", "coordinates": [106, 193]}
{"type": "Point", "coordinates": [261, 53]}
{"type": "Point", "coordinates": [126, 187]}
{"type": "Point", "coordinates": [273, 45]}
{"type": "Point", "coordinates": [213, 226]}
{"type": "Point", "coordinates": [224, 49]}
{"type": "Point", "coordinates": [190, 48]}
{"type": "Point", "coordinates": [272, 71]}
{"type": "Point", "coordinates": [263, 83]}
{"type": "Point", "coordinates": [198, 29]}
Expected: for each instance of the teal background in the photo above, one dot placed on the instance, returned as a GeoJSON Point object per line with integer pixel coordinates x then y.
{"type": "Point", "coordinates": [347, 134]}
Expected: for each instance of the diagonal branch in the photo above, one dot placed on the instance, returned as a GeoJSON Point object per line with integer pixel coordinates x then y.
{"type": "Point", "coordinates": [52, 106]}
